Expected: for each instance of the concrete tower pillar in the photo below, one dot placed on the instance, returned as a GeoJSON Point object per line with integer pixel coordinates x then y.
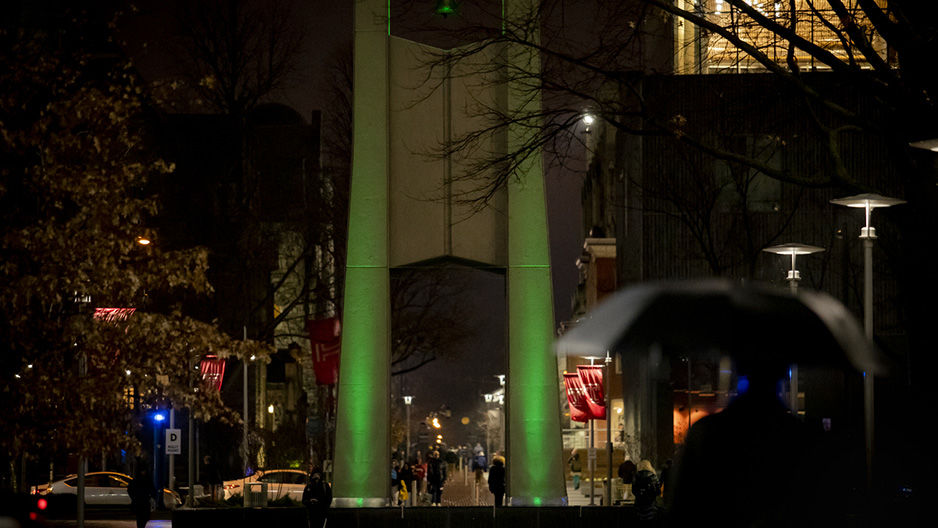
{"type": "Point", "coordinates": [362, 456]}
{"type": "Point", "coordinates": [362, 460]}
{"type": "Point", "coordinates": [535, 466]}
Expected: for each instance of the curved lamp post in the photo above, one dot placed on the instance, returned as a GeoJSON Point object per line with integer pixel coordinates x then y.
{"type": "Point", "coordinates": [868, 202]}
{"type": "Point", "coordinates": [794, 276]}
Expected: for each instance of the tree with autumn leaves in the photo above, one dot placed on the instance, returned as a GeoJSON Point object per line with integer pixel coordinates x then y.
{"type": "Point", "coordinates": [74, 207]}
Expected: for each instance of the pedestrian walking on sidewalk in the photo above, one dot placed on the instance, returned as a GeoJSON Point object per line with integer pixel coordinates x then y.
{"type": "Point", "coordinates": [405, 479]}
{"type": "Point", "coordinates": [317, 497]}
{"type": "Point", "coordinates": [436, 476]}
{"type": "Point", "coordinates": [142, 495]}
{"type": "Point", "coordinates": [575, 467]}
{"type": "Point", "coordinates": [211, 478]}
{"type": "Point", "coordinates": [497, 479]}
{"type": "Point", "coordinates": [626, 472]}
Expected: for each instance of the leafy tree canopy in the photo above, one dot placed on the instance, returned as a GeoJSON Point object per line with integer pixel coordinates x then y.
{"type": "Point", "coordinates": [73, 203]}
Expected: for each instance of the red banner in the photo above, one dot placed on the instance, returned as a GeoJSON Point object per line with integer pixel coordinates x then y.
{"type": "Point", "coordinates": [213, 371]}
{"type": "Point", "coordinates": [326, 342]}
{"type": "Point", "coordinates": [592, 378]}
{"type": "Point", "coordinates": [576, 397]}
{"type": "Point", "coordinates": [113, 315]}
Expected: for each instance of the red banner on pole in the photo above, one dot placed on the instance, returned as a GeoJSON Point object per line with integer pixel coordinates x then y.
{"type": "Point", "coordinates": [576, 397]}
{"type": "Point", "coordinates": [113, 315]}
{"type": "Point", "coordinates": [213, 371]}
{"type": "Point", "coordinates": [592, 378]}
{"type": "Point", "coordinates": [326, 343]}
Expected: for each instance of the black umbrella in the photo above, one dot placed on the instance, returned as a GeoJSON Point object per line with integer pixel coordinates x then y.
{"type": "Point", "coordinates": [757, 323]}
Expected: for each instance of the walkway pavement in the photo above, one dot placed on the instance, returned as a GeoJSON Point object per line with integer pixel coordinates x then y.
{"type": "Point", "coordinates": [460, 491]}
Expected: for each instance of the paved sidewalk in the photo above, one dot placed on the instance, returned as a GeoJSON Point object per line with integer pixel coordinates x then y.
{"type": "Point", "coordinates": [460, 491]}
{"type": "Point", "coordinates": [456, 492]}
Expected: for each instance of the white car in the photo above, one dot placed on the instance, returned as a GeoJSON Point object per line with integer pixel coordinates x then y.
{"type": "Point", "coordinates": [280, 483]}
{"type": "Point", "coordinates": [105, 488]}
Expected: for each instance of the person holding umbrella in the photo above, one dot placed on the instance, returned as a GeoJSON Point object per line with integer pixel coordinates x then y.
{"type": "Point", "coordinates": [746, 465]}
{"type": "Point", "coordinates": [754, 462]}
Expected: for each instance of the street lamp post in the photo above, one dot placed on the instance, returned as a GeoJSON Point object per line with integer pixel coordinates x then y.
{"type": "Point", "coordinates": [244, 429]}
{"type": "Point", "coordinates": [190, 451]}
{"type": "Point", "coordinates": [407, 401]}
{"type": "Point", "coordinates": [489, 398]}
{"type": "Point", "coordinates": [608, 381]}
{"type": "Point", "coordinates": [868, 202]}
{"type": "Point", "coordinates": [592, 449]}
{"type": "Point", "coordinates": [794, 276]}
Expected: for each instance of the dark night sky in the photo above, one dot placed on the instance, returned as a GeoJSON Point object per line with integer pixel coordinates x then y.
{"type": "Point", "coordinates": [459, 380]}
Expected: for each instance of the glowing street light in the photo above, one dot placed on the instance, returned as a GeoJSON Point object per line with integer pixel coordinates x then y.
{"type": "Point", "coordinates": [926, 144]}
{"type": "Point", "coordinates": [793, 250]}
{"type": "Point", "coordinates": [143, 240]}
{"type": "Point", "coordinates": [868, 202]}
{"type": "Point", "coordinates": [588, 120]}
{"type": "Point", "coordinates": [793, 277]}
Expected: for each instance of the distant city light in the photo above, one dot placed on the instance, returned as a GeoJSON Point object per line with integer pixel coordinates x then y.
{"type": "Point", "coordinates": [143, 241]}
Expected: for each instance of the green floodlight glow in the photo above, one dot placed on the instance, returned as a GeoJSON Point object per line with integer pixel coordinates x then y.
{"type": "Point", "coordinates": [364, 378]}
{"type": "Point", "coordinates": [534, 442]}
{"type": "Point", "coordinates": [445, 8]}
{"type": "Point", "coordinates": [362, 416]}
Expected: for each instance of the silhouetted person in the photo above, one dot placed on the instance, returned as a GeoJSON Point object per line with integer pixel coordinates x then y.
{"type": "Point", "coordinates": [405, 478]}
{"type": "Point", "coordinates": [141, 492]}
{"type": "Point", "coordinates": [575, 467]}
{"type": "Point", "coordinates": [646, 488]}
{"type": "Point", "coordinates": [747, 465]}
{"type": "Point", "coordinates": [211, 477]}
{"type": "Point", "coordinates": [479, 466]}
{"type": "Point", "coordinates": [626, 472]}
{"type": "Point", "coordinates": [497, 479]}
{"type": "Point", "coordinates": [436, 476]}
{"type": "Point", "coordinates": [317, 497]}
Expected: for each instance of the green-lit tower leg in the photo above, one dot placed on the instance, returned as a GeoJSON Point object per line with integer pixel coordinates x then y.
{"type": "Point", "coordinates": [535, 467]}
{"type": "Point", "coordinates": [362, 423]}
